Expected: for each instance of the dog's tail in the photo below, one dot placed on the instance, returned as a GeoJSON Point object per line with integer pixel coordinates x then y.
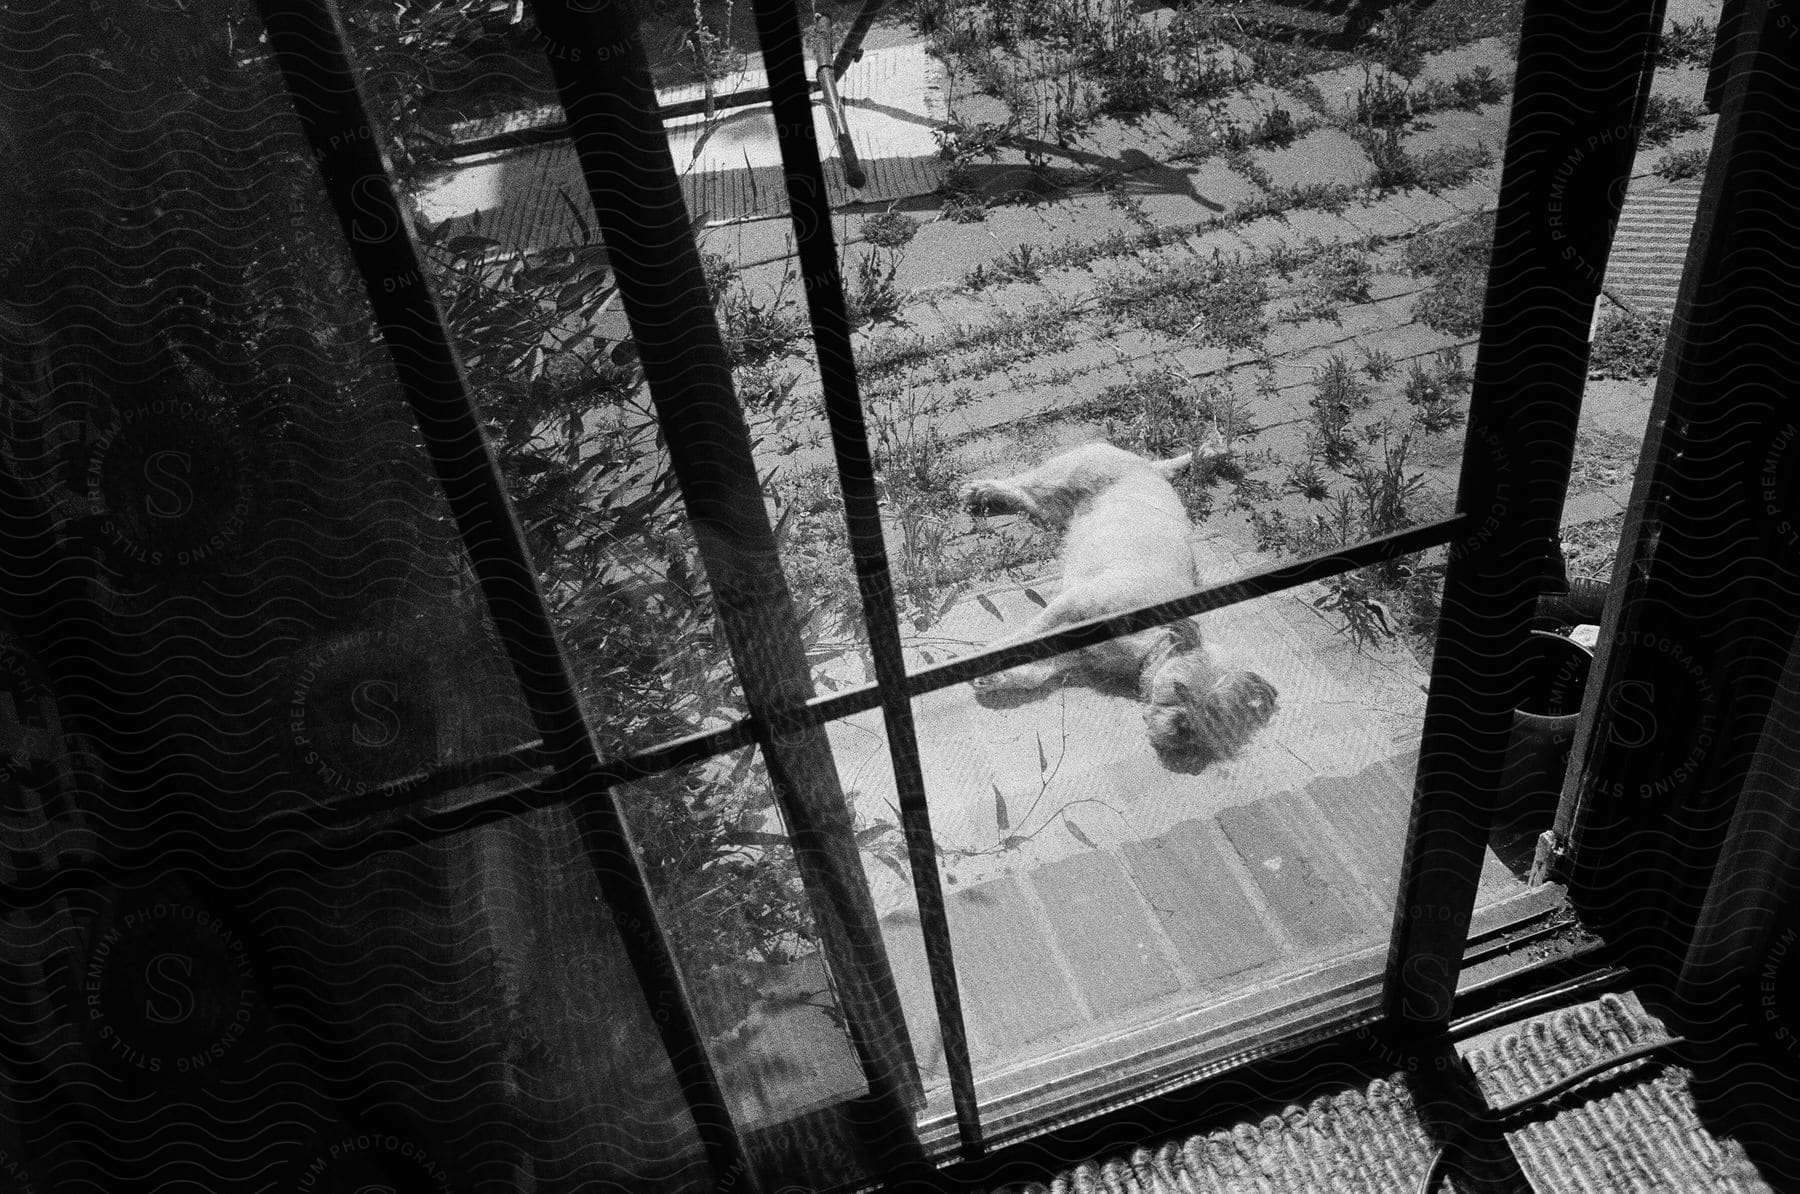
{"type": "Point", "coordinates": [1173, 465]}
{"type": "Point", "coordinates": [1214, 448]}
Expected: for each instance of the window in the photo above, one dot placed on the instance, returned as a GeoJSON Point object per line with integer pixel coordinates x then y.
{"type": "Point", "coordinates": [539, 757]}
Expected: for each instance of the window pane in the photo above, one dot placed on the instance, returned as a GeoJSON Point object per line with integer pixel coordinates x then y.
{"type": "Point", "coordinates": [1117, 908]}
{"type": "Point", "coordinates": [203, 409]}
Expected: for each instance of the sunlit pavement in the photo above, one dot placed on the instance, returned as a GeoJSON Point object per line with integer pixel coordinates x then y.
{"type": "Point", "coordinates": [730, 166]}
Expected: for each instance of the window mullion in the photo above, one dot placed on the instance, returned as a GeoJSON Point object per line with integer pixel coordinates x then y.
{"type": "Point", "coordinates": [604, 80]}
{"type": "Point", "coordinates": [809, 205]}
{"type": "Point", "coordinates": [1569, 151]}
{"type": "Point", "coordinates": [309, 45]}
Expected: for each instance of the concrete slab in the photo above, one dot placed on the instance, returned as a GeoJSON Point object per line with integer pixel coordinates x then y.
{"type": "Point", "coordinates": [1323, 155]}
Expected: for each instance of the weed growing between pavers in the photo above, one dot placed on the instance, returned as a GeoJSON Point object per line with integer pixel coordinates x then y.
{"type": "Point", "coordinates": [1217, 302]}
{"type": "Point", "coordinates": [1338, 395]}
{"type": "Point", "coordinates": [1380, 500]}
{"type": "Point", "coordinates": [1163, 413]}
{"type": "Point", "coordinates": [1667, 118]}
{"type": "Point", "coordinates": [1432, 392]}
{"type": "Point", "coordinates": [1336, 274]}
{"type": "Point", "coordinates": [757, 328]}
{"type": "Point", "coordinates": [1456, 258]}
{"type": "Point", "coordinates": [1627, 345]}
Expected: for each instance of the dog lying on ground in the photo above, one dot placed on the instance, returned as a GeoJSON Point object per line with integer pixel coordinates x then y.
{"type": "Point", "coordinates": [1126, 544]}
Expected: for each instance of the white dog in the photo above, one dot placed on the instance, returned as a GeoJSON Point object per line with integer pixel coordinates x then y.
{"type": "Point", "coordinates": [1126, 544]}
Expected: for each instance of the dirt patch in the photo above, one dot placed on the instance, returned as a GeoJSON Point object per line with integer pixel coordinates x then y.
{"type": "Point", "coordinates": [1603, 458]}
{"type": "Point", "coordinates": [1591, 547]}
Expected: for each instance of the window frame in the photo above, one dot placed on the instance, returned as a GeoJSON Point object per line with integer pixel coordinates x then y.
{"type": "Point", "coordinates": [1500, 561]}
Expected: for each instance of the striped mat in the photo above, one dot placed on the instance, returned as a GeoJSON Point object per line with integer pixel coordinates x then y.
{"type": "Point", "coordinates": [1650, 245]}
{"type": "Point", "coordinates": [1632, 1128]}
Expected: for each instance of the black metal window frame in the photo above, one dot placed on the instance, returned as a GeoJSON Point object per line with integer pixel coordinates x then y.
{"type": "Point", "coordinates": [1574, 68]}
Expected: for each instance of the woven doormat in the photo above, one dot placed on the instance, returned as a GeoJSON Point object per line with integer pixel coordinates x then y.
{"type": "Point", "coordinates": [1633, 1128]}
{"type": "Point", "coordinates": [1365, 1141]}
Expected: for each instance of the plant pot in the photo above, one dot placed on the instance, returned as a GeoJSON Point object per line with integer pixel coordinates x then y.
{"type": "Point", "coordinates": [1537, 753]}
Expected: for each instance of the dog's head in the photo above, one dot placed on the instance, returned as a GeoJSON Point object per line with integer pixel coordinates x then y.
{"type": "Point", "coordinates": [1200, 709]}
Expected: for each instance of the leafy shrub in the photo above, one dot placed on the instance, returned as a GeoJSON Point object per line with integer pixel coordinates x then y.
{"type": "Point", "coordinates": [1685, 41]}
{"type": "Point", "coordinates": [1683, 163]}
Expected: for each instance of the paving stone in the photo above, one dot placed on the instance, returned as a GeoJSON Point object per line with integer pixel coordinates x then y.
{"type": "Point", "coordinates": [1190, 886]}
{"type": "Point", "coordinates": [1010, 984]}
{"type": "Point", "coordinates": [1111, 943]}
{"type": "Point", "coordinates": [1304, 224]}
{"type": "Point", "coordinates": [1413, 209]}
{"type": "Point", "coordinates": [1217, 188]}
{"type": "Point", "coordinates": [1472, 197]}
{"type": "Point", "coordinates": [1323, 155]}
{"type": "Point", "coordinates": [1306, 888]}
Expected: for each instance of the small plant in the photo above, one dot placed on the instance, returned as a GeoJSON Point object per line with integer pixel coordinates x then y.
{"type": "Point", "coordinates": [890, 230]}
{"type": "Point", "coordinates": [1366, 618]}
{"type": "Point", "coordinates": [764, 386]}
{"type": "Point", "coordinates": [1378, 363]}
{"type": "Point", "coordinates": [873, 296]}
{"type": "Point", "coordinates": [1306, 480]}
{"type": "Point", "coordinates": [960, 142]}
{"type": "Point", "coordinates": [1432, 399]}
{"type": "Point", "coordinates": [1338, 393]}
{"type": "Point", "coordinates": [1282, 258]}
{"type": "Point", "coordinates": [1336, 382]}
{"type": "Point", "coordinates": [1132, 81]}
{"type": "Point", "coordinates": [1022, 263]}
{"type": "Point", "coordinates": [1452, 374]}
{"type": "Point", "coordinates": [1275, 129]}
{"type": "Point", "coordinates": [965, 207]}
{"type": "Point", "coordinates": [1398, 44]}
{"type": "Point", "coordinates": [1685, 41]}
{"type": "Point", "coordinates": [1391, 167]}
{"type": "Point", "coordinates": [1380, 102]}
{"type": "Point", "coordinates": [1342, 272]}
{"type": "Point", "coordinates": [1386, 493]}
{"type": "Point", "coordinates": [1667, 118]}
{"type": "Point", "coordinates": [1682, 163]}
{"type": "Point", "coordinates": [756, 330]}
{"type": "Point", "coordinates": [1470, 90]}
{"type": "Point", "coordinates": [1628, 345]}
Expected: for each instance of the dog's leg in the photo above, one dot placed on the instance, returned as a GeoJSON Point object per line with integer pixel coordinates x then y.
{"type": "Point", "coordinates": [1060, 612]}
{"type": "Point", "coordinates": [1050, 492]}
